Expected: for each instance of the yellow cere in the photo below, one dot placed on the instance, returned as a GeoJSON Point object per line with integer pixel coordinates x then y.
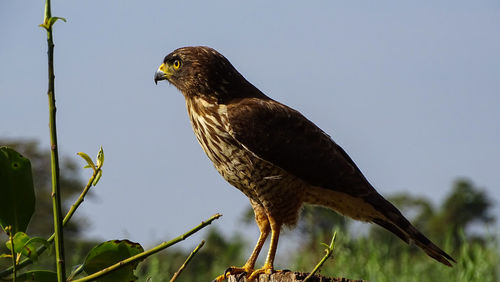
{"type": "Point", "coordinates": [162, 68]}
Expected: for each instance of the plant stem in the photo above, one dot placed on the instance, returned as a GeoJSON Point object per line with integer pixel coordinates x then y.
{"type": "Point", "coordinates": [178, 272]}
{"type": "Point", "coordinates": [80, 199]}
{"type": "Point", "coordinates": [13, 253]}
{"type": "Point", "coordinates": [68, 216]}
{"type": "Point", "coordinates": [75, 272]}
{"type": "Point", "coordinates": [329, 252]}
{"type": "Point", "coordinates": [56, 197]}
{"type": "Point", "coordinates": [149, 252]}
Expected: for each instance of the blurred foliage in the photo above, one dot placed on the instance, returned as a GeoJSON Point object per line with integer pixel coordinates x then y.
{"type": "Point", "coordinates": [71, 185]}
{"type": "Point", "coordinates": [41, 223]}
{"type": "Point", "coordinates": [465, 207]}
{"type": "Point", "coordinates": [369, 259]}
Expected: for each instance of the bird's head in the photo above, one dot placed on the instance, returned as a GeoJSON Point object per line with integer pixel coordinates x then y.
{"type": "Point", "coordinates": [202, 71]}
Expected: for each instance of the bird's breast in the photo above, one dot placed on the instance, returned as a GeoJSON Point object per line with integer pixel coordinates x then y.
{"type": "Point", "coordinates": [236, 164]}
{"type": "Point", "coordinates": [260, 180]}
{"type": "Point", "coordinates": [210, 125]}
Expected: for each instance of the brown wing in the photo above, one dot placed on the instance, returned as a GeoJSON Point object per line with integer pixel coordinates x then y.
{"type": "Point", "coordinates": [284, 137]}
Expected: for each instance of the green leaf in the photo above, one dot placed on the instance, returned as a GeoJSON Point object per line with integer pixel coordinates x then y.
{"type": "Point", "coordinates": [30, 247]}
{"type": "Point", "coordinates": [38, 276]}
{"type": "Point", "coordinates": [87, 159]}
{"type": "Point", "coordinates": [17, 195]}
{"type": "Point", "coordinates": [26, 245]}
{"type": "Point", "coordinates": [97, 177]}
{"type": "Point", "coordinates": [20, 239]}
{"type": "Point", "coordinates": [8, 256]}
{"type": "Point", "coordinates": [48, 23]}
{"type": "Point", "coordinates": [109, 253]}
{"type": "Point", "coordinates": [100, 158]}
{"type": "Point", "coordinates": [53, 20]}
{"type": "Point", "coordinates": [39, 241]}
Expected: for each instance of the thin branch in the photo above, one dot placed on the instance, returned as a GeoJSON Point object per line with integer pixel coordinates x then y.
{"type": "Point", "coordinates": [80, 199]}
{"type": "Point", "coordinates": [329, 252]}
{"type": "Point", "coordinates": [178, 272]}
{"type": "Point", "coordinates": [12, 252]}
{"type": "Point", "coordinates": [75, 272]}
{"type": "Point", "coordinates": [54, 158]}
{"type": "Point", "coordinates": [149, 252]}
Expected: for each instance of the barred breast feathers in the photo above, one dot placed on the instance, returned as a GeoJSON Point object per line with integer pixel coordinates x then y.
{"type": "Point", "coordinates": [231, 158]}
{"type": "Point", "coordinates": [209, 122]}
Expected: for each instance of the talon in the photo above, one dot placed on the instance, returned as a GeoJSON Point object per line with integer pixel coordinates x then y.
{"type": "Point", "coordinates": [241, 275]}
{"type": "Point", "coordinates": [266, 269]}
{"type": "Point", "coordinates": [242, 271]}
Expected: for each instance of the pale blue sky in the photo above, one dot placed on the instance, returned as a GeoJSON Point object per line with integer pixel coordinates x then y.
{"type": "Point", "coordinates": [410, 90]}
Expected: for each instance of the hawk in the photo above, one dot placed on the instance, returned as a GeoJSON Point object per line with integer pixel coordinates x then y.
{"type": "Point", "coordinates": [274, 155]}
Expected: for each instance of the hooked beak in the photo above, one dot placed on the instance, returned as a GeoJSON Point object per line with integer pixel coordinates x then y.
{"type": "Point", "coordinates": [160, 74]}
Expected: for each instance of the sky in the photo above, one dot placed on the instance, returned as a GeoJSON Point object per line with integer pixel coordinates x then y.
{"type": "Point", "coordinates": [411, 90]}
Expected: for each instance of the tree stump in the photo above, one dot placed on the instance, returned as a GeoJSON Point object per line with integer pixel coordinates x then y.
{"type": "Point", "coordinates": [288, 276]}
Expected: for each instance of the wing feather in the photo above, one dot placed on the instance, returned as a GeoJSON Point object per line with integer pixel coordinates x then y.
{"type": "Point", "coordinates": [284, 137]}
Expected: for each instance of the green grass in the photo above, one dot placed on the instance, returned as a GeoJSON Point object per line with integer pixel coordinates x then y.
{"type": "Point", "coordinates": [354, 258]}
{"type": "Point", "coordinates": [363, 258]}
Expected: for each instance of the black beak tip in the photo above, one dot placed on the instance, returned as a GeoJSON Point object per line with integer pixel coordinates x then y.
{"type": "Point", "coordinates": [156, 78]}
{"type": "Point", "coordinates": [159, 75]}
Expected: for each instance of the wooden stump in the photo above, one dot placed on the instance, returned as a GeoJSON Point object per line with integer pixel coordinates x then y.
{"type": "Point", "coordinates": [288, 276]}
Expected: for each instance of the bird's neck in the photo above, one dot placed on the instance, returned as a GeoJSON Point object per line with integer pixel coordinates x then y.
{"type": "Point", "coordinates": [210, 125]}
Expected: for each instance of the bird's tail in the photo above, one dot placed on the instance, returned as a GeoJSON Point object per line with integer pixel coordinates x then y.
{"type": "Point", "coordinates": [395, 222]}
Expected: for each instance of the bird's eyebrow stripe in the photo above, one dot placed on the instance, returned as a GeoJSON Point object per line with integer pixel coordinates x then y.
{"type": "Point", "coordinates": [171, 58]}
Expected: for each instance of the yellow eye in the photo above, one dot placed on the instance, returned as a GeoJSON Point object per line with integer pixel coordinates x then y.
{"type": "Point", "coordinates": [177, 64]}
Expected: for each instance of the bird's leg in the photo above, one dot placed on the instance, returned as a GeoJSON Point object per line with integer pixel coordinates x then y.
{"type": "Point", "coordinates": [264, 227]}
{"type": "Point", "coordinates": [268, 267]}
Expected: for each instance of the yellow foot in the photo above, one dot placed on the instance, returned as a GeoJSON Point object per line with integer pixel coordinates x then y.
{"type": "Point", "coordinates": [250, 273]}
{"type": "Point", "coordinates": [234, 270]}
{"type": "Point", "coordinates": [266, 269]}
